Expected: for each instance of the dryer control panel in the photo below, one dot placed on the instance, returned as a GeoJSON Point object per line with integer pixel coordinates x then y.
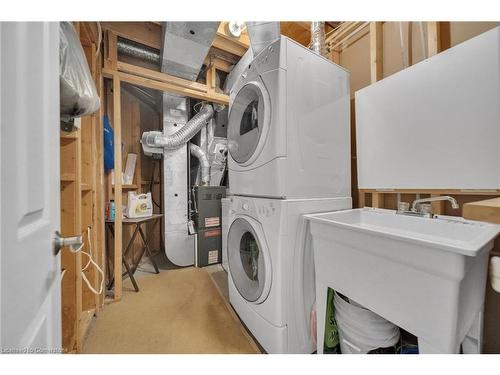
{"type": "Point", "coordinates": [270, 58]}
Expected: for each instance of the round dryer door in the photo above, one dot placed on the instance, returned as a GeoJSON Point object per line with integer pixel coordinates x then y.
{"type": "Point", "coordinates": [248, 122]}
{"type": "Point", "coordinates": [248, 258]}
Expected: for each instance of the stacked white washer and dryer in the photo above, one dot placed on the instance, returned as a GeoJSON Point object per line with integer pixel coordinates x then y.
{"type": "Point", "coordinates": [289, 155]}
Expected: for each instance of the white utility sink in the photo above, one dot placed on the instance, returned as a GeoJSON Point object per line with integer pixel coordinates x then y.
{"type": "Point", "coordinates": [427, 275]}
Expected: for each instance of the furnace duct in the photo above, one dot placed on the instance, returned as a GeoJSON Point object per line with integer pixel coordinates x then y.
{"type": "Point", "coordinates": [318, 37]}
{"type": "Point", "coordinates": [202, 157]}
{"type": "Point", "coordinates": [138, 51]}
{"type": "Point", "coordinates": [183, 135]}
{"type": "Point", "coordinates": [262, 34]}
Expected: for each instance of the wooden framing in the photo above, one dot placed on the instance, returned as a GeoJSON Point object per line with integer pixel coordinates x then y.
{"type": "Point", "coordinates": [81, 208]}
{"type": "Point", "coordinates": [376, 51]}
{"type": "Point", "coordinates": [149, 34]}
{"type": "Point", "coordinates": [118, 187]}
{"type": "Point", "coordinates": [228, 43]}
{"type": "Point", "coordinates": [433, 38]}
{"type": "Point", "coordinates": [346, 34]}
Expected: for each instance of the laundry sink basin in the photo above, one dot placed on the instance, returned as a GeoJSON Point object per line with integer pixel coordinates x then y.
{"type": "Point", "coordinates": [426, 275]}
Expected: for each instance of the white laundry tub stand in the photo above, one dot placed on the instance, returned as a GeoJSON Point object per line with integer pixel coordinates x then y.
{"type": "Point", "coordinates": [435, 294]}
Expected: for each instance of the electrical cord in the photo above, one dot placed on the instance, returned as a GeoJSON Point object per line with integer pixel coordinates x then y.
{"type": "Point", "coordinates": [90, 261]}
{"type": "Point", "coordinates": [96, 266]}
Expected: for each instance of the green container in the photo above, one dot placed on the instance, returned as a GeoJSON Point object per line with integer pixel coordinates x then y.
{"type": "Point", "coordinates": [331, 344]}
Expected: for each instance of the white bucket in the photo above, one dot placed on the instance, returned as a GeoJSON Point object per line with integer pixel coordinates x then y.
{"type": "Point", "coordinates": [361, 330]}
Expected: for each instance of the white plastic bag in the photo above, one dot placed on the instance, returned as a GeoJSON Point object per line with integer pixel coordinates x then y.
{"type": "Point", "coordinates": [78, 92]}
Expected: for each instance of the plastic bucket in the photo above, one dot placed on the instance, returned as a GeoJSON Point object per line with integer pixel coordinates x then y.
{"type": "Point", "coordinates": [361, 330]}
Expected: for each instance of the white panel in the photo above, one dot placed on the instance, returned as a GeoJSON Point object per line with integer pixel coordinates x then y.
{"type": "Point", "coordinates": [435, 125]}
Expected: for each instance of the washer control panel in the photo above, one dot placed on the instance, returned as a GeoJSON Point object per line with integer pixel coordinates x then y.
{"type": "Point", "coordinates": [257, 208]}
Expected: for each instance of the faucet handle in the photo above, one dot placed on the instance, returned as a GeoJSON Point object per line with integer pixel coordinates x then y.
{"type": "Point", "coordinates": [403, 206]}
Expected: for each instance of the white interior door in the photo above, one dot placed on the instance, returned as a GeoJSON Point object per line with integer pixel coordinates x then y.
{"type": "Point", "coordinates": [30, 306]}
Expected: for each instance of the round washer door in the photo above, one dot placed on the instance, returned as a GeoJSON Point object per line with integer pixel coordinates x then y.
{"type": "Point", "coordinates": [248, 122]}
{"type": "Point", "coordinates": [249, 261]}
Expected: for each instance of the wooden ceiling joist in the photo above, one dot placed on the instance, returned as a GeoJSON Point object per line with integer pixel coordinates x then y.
{"type": "Point", "coordinates": [164, 82]}
{"type": "Point", "coordinates": [147, 33]}
{"type": "Point", "coordinates": [345, 33]}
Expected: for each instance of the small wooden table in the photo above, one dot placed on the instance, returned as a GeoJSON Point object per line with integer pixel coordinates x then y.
{"type": "Point", "coordinates": [130, 270]}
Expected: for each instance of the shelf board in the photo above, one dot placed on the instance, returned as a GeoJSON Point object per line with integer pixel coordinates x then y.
{"type": "Point", "coordinates": [67, 135]}
{"type": "Point", "coordinates": [85, 187]}
{"type": "Point", "coordinates": [127, 187]}
{"type": "Point", "coordinates": [68, 177]}
{"type": "Point", "coordinates": [148, 182]}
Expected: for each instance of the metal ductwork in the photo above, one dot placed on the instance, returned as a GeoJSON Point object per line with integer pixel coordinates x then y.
{"type": "Point", "coordinates": [183, 135]}
{"type": "Point", "coordinates": [318, 37]}
{"type": "Point", "coordinates": [201, 155]}
{"type": "Point", "coordinates": [184, 49]}
{"type": "Point", "coordinates": [137, 50]}
{"type": "Point", "coordinates": [262, 34]}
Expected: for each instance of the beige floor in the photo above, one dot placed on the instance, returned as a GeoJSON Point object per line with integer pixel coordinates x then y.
{"type": "Point", "coordinates": [178, 311]}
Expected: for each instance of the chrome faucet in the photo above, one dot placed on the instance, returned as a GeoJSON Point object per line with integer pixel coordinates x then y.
{"type": "Point", "coordinates": [453, 201]}
{"type": "Point", "coordinates": [424, 210]}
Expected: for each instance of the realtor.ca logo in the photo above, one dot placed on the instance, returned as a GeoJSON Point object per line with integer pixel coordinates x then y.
{"type": "Point", "coordinates": [31, 350]}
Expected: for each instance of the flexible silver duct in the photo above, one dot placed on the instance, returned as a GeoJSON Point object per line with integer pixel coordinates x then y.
{"type": "Point", "coordinates": [201, 155]}
{"type": "Point", "coordinates": [182, 136]}
{"type": "Point", "coordinates": [137, 50]}
{"type": "Point", "coordinates": [318, 37]}
{"type": "Point", "coordinates": [262, 34]}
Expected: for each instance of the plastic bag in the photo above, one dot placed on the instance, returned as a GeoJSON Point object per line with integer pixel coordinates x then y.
{"type": "Point", "coordinates": [78, 92]}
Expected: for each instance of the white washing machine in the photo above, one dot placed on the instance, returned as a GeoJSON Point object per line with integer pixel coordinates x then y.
{"type": "Point", "coordinates": [289, 126]}
{"type": "Point", "coordinates": [271, 270]}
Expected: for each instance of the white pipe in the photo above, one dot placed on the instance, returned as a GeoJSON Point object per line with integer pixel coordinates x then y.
{"type": "Point", "coordinates": [262, 34]}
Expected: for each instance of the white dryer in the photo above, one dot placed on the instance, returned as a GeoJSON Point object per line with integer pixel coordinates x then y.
{"type": "Point", "coordinates": [271, 271]}
{"type": "Point", "coordinates": [289, 126]}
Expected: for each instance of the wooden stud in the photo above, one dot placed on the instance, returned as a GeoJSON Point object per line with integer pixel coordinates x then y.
{"type": "Point", "coordinates": [78, 255]}
{"type": "Point", "coordinates": [118, 187]}
{"type": "Point", "coordinates": [362, 199]}
{"type": "Point", "coordinates": [213, 97]}
{"type": "Point", "coordinates": [378, 200]}
{"type": "Point", "coordinates": [159, 76]}
{"type": "Point", "coordinates": [335, 56]}
{"type": "Point", "coordinates": [112, 60]}
{"type": "Point", "coordinates": [377, 72]}
{"type": "Point", "coordinates": [409, 43]}
{"type": "Point", "coordinates": [219, 64]}
{"type": "Point", "coordinates": [210, 79]}
{"type": "Point", "coordinates": [376, 51]}
{"type": "Point", "coordinates": [433, 38]}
